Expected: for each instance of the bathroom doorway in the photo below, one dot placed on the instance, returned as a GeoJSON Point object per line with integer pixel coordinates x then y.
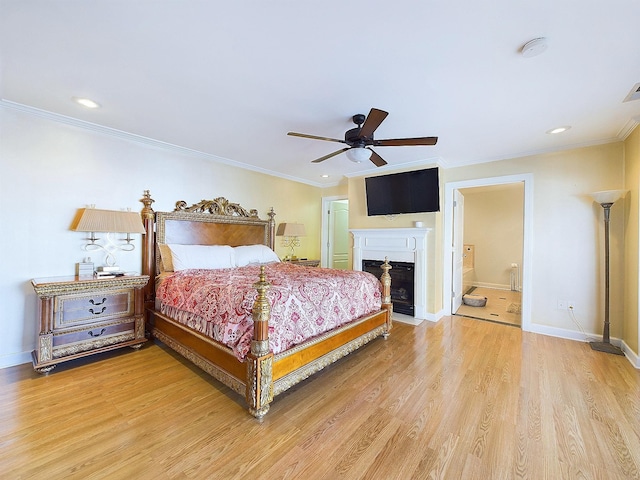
{"type": "Point", "coordinates": [498, 267]}
{"type": "Point", "coordinates": [492, 237]}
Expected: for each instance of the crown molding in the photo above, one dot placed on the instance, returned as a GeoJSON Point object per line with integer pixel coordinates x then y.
{"type": "Point", "coordinates": [426, 163]}
{"type": "Point", "coordinates": [628, 127]}
{"type": "Point", "coordinates": [624, 132]}
{"type": "Point", "coordinates": [140, 139]}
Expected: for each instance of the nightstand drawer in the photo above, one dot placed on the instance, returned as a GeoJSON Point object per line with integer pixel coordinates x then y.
{"type": "Point", "coordinates": [79, 309]}
{"type": "Point", "coordinates": [91, 338]}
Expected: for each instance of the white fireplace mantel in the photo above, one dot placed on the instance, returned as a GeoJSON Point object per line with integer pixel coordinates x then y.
{"type": "Point", "coordinates": [398, 245]}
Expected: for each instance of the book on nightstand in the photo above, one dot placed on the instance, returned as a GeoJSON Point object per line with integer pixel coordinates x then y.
{"type": "Point", "coordinates": [108, 274]}
{"type": "Point", "coordinates": [108, 269]}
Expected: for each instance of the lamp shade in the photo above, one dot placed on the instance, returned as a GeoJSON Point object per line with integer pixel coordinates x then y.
{"type": "Point", "coordinates": [358, 154]}
{"type": "Point", "coordinates": [291, 230]}
{"type": "Point", "coordinates": [109, 221]}
{"type": "Point", "coordinates": [608, 196]}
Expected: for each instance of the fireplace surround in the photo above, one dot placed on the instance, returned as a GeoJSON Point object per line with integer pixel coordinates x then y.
{"type": "Point", "coordinates": [398, 245]}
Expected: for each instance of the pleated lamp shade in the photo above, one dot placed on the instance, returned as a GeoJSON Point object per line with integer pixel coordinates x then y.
{"type": "Point", "coordinates": [110, 221]}
{"type": "Point", "coordinates": [291, 230]}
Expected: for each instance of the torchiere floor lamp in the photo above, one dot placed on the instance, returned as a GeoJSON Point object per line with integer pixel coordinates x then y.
{"type": "Point", "coordinates": [606, 199]}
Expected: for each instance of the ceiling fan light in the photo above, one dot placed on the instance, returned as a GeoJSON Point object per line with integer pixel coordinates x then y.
{"type": "Point", "coordinates": [358, 154]}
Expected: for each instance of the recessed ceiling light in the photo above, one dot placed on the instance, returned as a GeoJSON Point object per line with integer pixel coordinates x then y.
{"type": "Point", "coordinates": [553, 131]}
{"type": "Point", "coordinates": [325, 176]}
{"type": "Point", "coordinates": [86, 102]}
{"type": "Point", "coordinates": [534, 47]}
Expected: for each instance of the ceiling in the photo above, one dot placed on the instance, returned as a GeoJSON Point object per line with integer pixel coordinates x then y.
{"type": "Point", "coordinates": [230, 79]}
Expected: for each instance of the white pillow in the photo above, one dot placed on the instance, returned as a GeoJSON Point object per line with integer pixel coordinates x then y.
{"type": "Point", "coordinates": [247, 254]}
{"type": "Point", "coordinates": [202, 256]}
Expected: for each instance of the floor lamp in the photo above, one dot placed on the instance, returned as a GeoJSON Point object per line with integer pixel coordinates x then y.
{"type": "Point", "coordinates": [606, 199]}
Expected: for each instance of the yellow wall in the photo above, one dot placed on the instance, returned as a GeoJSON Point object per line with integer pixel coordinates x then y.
{"type": "Point", "coordinates": [358, 219]}
{"type": "Point", "coordinates": [632, 242]}
{"type": "Point", "coordinates": [567, 244]}
{"type": "Point", "coordinates": [567, 233]}
{"type": "Point", "coordinates": [493, 224]}
{"type": "Point", "coordinates": [50, 169]}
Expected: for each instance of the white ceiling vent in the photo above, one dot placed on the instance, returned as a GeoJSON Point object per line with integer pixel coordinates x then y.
{"type": "Point", "coordinates": [634, 94]}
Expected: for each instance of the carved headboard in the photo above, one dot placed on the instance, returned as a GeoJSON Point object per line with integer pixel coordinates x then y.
{"type": "Point", "coordinates": [208, 222]}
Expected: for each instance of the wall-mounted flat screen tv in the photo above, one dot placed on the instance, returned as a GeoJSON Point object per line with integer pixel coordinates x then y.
{"type": "Point", "coordinates": [407, 192]}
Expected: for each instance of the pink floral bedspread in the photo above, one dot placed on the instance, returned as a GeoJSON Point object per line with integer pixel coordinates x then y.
{"type": "Point", "coordinates": [305, 302]}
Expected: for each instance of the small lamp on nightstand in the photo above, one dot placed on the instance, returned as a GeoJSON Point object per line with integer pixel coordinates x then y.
{"type": "Point", "coordinates": [291, 233]}
{"type": "Point", "coordinates": [108, 221]}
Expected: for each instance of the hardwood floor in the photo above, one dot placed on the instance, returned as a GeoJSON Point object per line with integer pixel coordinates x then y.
{"type": "Point", "coordinates": [458, 399]}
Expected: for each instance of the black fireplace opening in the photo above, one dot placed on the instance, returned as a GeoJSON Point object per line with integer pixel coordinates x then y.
{"type": "Point", "coordinates": [402, 283]}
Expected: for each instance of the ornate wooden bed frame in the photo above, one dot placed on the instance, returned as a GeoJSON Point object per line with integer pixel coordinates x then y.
{"type": "Point", "coordinates": [262, 375]}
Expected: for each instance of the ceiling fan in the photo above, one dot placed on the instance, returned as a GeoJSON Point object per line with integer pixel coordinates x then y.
{"type": "Point", "coordinates": [361, 138]}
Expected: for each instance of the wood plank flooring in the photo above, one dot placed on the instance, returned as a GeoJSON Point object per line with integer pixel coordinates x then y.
{"type": "Point", "coordinates": [460, 399]}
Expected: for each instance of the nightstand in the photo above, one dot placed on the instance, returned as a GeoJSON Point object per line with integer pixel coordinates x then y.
{"type": "Point", "coordinates": [83, 316]}
{"type": "Point", "coordinates": [305, 262]}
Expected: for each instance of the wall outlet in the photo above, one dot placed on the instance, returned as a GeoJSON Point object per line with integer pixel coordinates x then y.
{"type": "Point", "coordinates": [571, 305]}
{"type": "Point", "coordinates": [562, 305]}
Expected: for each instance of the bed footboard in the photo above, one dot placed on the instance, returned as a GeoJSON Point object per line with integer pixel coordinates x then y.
{"type": "Point", "coordinates": [260, 360]}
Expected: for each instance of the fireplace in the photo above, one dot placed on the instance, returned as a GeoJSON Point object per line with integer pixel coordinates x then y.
{"type": "Point", "coordinates": [402, 281]}
{"type": "Point", "coordinates": [398, 245]}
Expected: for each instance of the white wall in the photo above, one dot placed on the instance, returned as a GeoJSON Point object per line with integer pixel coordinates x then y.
{"type": "Point", "coordinates": [49, 169]}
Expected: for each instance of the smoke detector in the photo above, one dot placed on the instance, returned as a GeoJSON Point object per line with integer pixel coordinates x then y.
{"type": "Point", "coordinates": [534, 47]}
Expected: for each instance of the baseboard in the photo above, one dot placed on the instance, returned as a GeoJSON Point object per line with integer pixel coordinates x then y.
{"type": "Point", "coordinates": [408, 319]}
{"type": "Point", "coordinates": [429, 317]}
{"type": "Point", "coordinates": [631, 355]}
{"type": "Point", "coordinates": [435, 317]}
{"type": "Point", "coordinates": [14, 359]}
{"type": "Point", "coordinates": [562, 333]}
{"type": "Point", "coordinates": [581, 337]}
{"type": "Point", "coordinates": [496, 286]}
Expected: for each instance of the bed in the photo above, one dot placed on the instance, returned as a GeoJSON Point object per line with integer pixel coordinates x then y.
{"type": "Point", "coordinates": [260, 365]}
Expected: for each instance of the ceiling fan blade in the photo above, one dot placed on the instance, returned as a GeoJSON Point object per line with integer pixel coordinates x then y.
{"type": "Point", "coordinates": [373, 121]}
{"type": "Point", "coordinates": [322, 159]}
{"type": "Point", "coordinates": [400, 142]}
{"type": "Point", "coordinates": [314, 137]}
{"type": "Point", "coordinates": [377, 160]}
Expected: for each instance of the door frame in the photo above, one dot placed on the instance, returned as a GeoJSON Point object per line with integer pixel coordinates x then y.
{"type": "Point", "coordinates": [324, 227]}
{"type": "Point", "coordinates": [527, 264]}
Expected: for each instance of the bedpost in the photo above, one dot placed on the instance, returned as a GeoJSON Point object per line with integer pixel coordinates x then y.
{"type": "Point", "coordinates": [272, 230]}
{"type": "Point", "coordinates": [385, 279]}
{"type": "Point", "coordinates": [148, 247]}
{"type": "Point", "coordinates": [259, 392]}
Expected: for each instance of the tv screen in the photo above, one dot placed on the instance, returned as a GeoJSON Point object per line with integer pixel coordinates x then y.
{"type": "Point", "coordinates": [407, 192]}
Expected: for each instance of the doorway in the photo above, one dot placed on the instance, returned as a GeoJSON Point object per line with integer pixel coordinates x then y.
{"type": "Point", "coordinates": [454, 241]}
{"type": "Point", "coordinates": [335, 233]}
{"type": "Point", "coordinates": [491, 232]}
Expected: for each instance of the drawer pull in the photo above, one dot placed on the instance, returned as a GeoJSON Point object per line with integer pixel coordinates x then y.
{"type": "Point", "coordinates": [96, 304]}
{"type": "Point", "coordinates": [97, 334]}
{"type": "Point", "coordinates": [98, 313]}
